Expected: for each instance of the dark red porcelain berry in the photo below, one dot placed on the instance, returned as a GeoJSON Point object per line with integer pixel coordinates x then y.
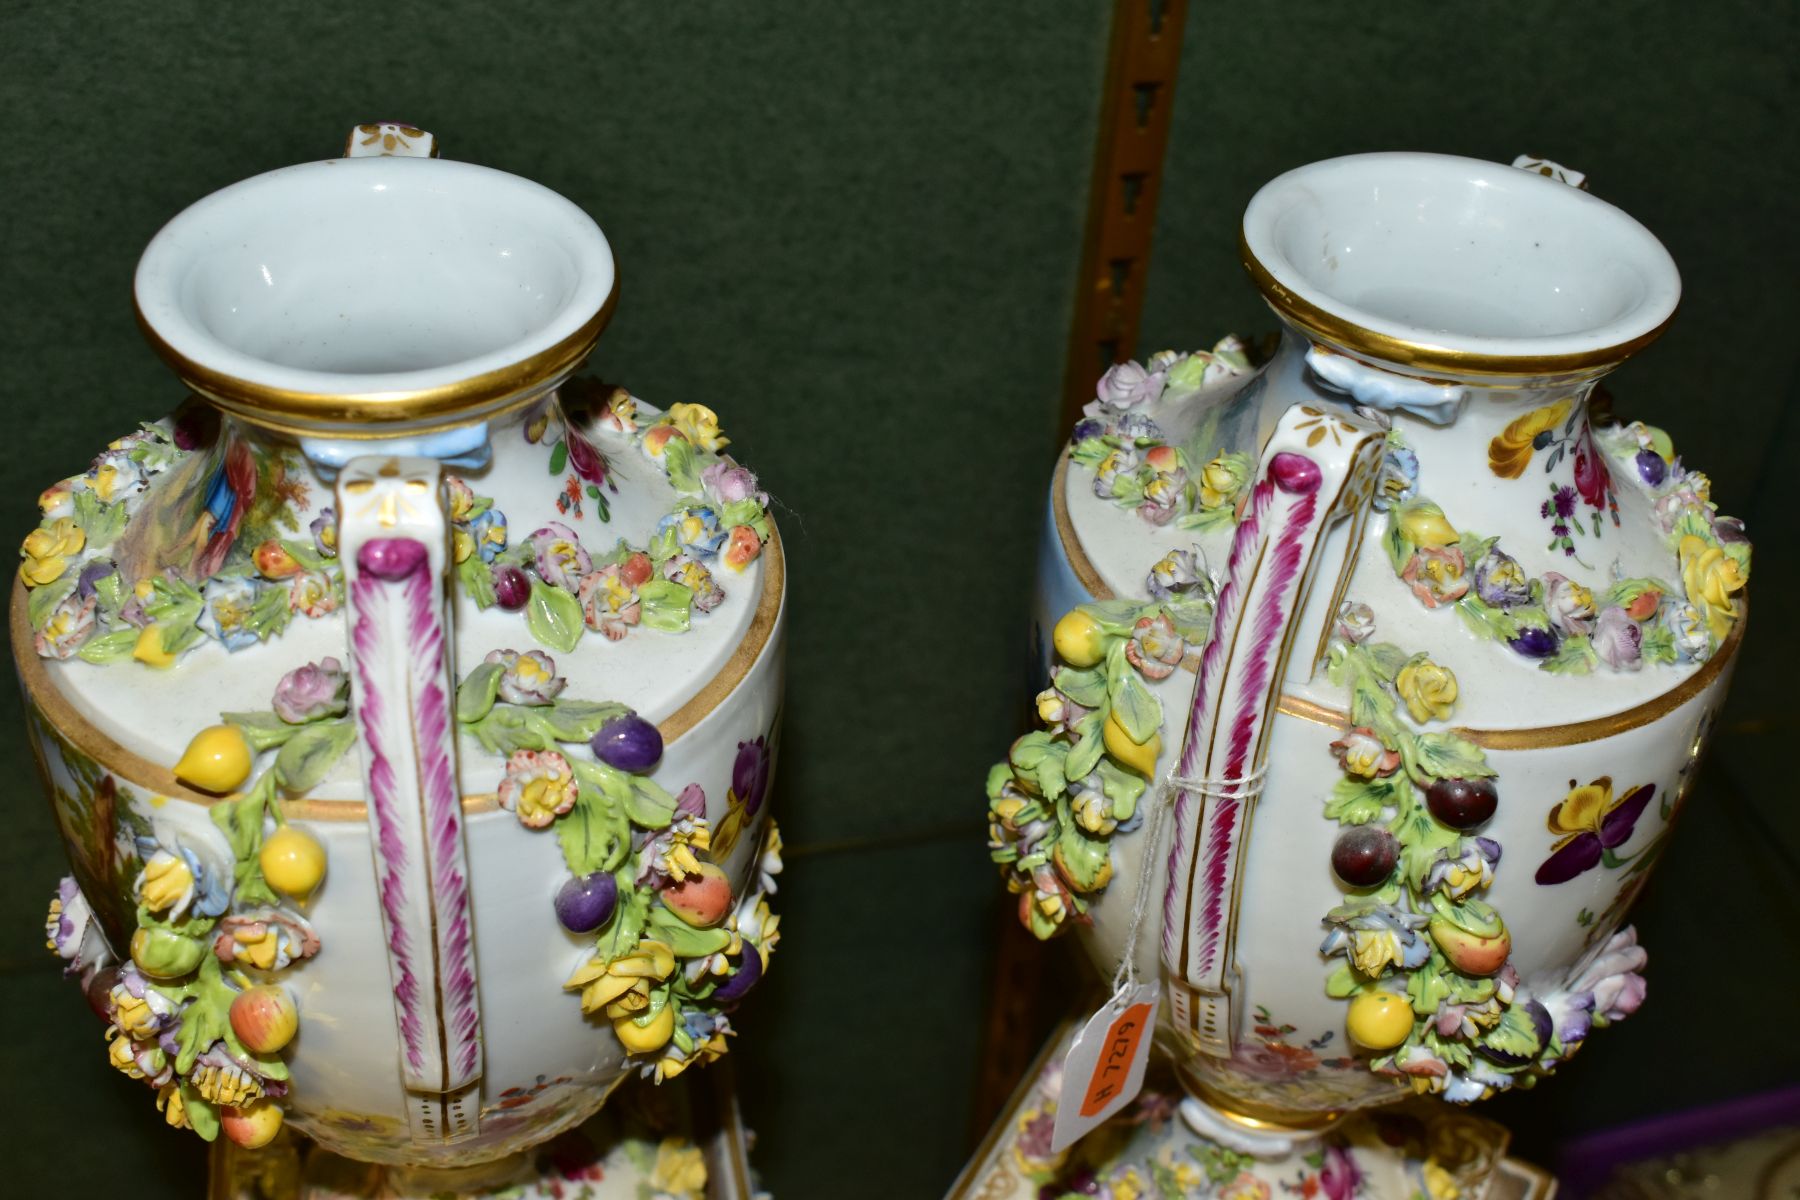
{"type": "Point", "coordinates": [512, 588]}
{"type": "Point", "coordinates": [1365, 855]}
{"type": "Point", "coordinates": [1462, 803]}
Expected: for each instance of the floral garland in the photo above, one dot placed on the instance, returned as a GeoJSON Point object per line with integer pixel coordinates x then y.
{"type": "Point", "coordinates": [1432, 991]}
{"type": "Point", "coordinates": [563, 588]}
{"type": "Point", "coordinates": [1134, 464]}
{"type": "Point", "coordinates": [195, 1011]}
{"type": "Point", "coordinates": [82, 605]}
{"type": "Point", "coordinates": [673, 954]}
{"type": "Point", "coordinates": [1065, 790]}
{"type": "Point", "coordinates": [1555, 620]}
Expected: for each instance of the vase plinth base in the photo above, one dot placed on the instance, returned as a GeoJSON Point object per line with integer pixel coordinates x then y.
{"type": "Point", "coordinates": [683, 1140]}
{"type": "Point", "coordinates": [1166, 1139]}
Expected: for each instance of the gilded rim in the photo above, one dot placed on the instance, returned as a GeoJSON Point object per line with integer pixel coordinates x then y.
{"type": "Point", "coordinates": [359, 416]}
{"type": "Point", "coordinates": [1265, 1118]}
{"type": "Point", "coordinates": [1325, 326]}
{"type": "Point", "coordinates": [69, 724]}
{"type": "Point", "coordinates": [1572, 734]}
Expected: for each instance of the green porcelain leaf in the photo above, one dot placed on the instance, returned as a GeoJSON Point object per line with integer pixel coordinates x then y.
{"type": "Point", "coordinates": [1135, 709]}
{"type": "Point", "coordinates": [109, 647]}
{"type": "Point", "coordinates": [554, 617]}
{"type": "Point", "coordinates": [1085, 687]}
{"type": "Point", "coordinates": [1447, 756]}
{"type": "Point", "coordinates": [666, 604]}
{"type": "Point", "coordinates": [1359, 801]}
{"type": "Point", "coordinates": [310, 754]}
{"type": "Point", "coordinates": [594, 835]}
{"type": "Point", "coordinates": [577, 720]}
{"type": "Point", "coordinates": [479, 689]}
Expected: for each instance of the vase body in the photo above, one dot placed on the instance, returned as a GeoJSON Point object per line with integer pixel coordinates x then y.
{"type": "Point", "coordinates": [1444, 527]}
{"type": "Point", "coordinates": [433, 561]}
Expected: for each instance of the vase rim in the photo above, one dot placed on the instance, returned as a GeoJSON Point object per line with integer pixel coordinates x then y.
{"type": "Point", "coordinates": [372, 297]}
{"type": "Point", "coordinates": [1455, 266]}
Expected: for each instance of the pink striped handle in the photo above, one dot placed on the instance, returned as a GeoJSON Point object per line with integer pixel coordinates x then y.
{"type": "Point", "coordinates": [1319, 466]}
{"type": "Point", "coordinates": [393, 541]}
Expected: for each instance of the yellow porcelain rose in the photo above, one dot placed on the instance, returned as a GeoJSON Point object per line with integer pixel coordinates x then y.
{"type": "Point", "coordinates": [47, 551]}
{"type": "Point", "coordinates": [1221, 479]}
{"type": "Point", "coordinates": [1428, 690]}
{"type": "Point", "coordinates": [680, 1170]}
{"type": "Point", "coordinates": [621, 988]}
{"type": "Point", "coordinates": [699, 425]}
{"type": "Point", "coordinates": [1424, 525]}
{"type": "Point", "coordinates": [1711, 577]}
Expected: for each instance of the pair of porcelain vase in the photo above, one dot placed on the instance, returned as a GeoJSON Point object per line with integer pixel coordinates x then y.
{"type": "Point", "coordinates": [408, 706]}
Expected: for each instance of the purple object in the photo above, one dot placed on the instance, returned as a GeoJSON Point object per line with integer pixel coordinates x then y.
{"type": "Point", "coordinates": [1534, 642]}
{"type": "Point", "coordinates": [1295, 474]}
{"type": "Point", "coordinates": [1462, 803]}
{"type": "Point", "coordinates": [629, 743]}
{"type": "Point", "coordinates": [391, 558]}
{"type": "Point", "coordinates": [1541, 1024]}
{"type": "Point", "coordinates": [749, 971]}
{"type": "Point", "coordinates": [750, 774]}
{"type": "Point", "coordinates": [1651, 467]}
{"type": "Point", "coordinates": [512, 588]}
{"type": "Point", "coordinates": [1365, 855]}
{"type": "Point", "coordinates": [585, 903]}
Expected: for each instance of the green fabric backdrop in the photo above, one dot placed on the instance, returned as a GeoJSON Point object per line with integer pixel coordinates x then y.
{"type": "Point", "coordinates": [853, 230]}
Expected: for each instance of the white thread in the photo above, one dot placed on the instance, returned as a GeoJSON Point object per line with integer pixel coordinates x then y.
{"type": "Point", "coordinates": [1125, 978]}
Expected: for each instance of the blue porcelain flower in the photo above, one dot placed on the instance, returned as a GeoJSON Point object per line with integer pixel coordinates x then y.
{"type": "Point", "coordinates": [696, 529]}
{"type": "Point", "coordinates": [229, 604]}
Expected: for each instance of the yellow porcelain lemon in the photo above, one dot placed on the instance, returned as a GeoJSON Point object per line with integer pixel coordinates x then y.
{"type": "Point", "coordinates": [218, 760]}
{"type": "Point", "coordinates": [651, 1036]}
{"type": "Point", "coordinates": [1379, 1020]}
{"type": "Point", "coordinates": [1078, 639]}
{"type": "Point", "coordinates": [148, 649]}
{"type": "Point", "coordinates": [292, 861]}
{"type": "Point", "coordinates": [1127, 753]}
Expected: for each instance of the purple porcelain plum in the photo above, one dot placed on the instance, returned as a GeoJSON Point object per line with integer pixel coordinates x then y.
{"type": "Point", "coordinates": [629, 743]}
{"type": "Point", "coordinates": [586, 902]}
{"type": "Point", "coordinates": [512, 588]}
{"type": "Point", "coordinates": [749, 971]}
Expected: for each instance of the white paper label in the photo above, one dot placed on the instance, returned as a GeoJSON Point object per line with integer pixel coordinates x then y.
{"type": "Point", "coordinates": [1104, 1069]}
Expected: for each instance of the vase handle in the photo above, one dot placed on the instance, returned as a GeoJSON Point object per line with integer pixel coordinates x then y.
{"type": "Point", "coordinates": [1319, 466]}
{"type": "Point", "coordinates": [393, 541]}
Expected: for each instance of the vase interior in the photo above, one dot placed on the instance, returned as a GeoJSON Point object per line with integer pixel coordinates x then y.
{"type": "Point", "coordinates": [1461, 253]}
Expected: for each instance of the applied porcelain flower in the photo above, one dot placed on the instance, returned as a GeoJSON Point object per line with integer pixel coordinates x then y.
{"type": "Point", "coordinates": [1437, 575]}
{"type": "Point", "coordinates": [1362, 754]}
{"type": "Point", "coordinates": [679, 1171]}
{"type": "Point", "coordinates": [1136, 427]}
{"type": "Point", "coordinates": [1223, 478]}
{"type": "Point", "coordinates": [1591, 823]}
{"type": "Point", "coordinates": [186, 868]}
{"type": "Point", "coordinates": [609, 604]}
{"type": "Point", "coordinates": [229, 605]}
{"type": "Point", "coordinates": [137, 1059]}
{"type": "Point", "coordinates": [1688, 491]}
{"type": "Point", "coordinates": [620, 412]}
{"type": "Point", "coordinates": [48, 549]}
{"type": "Point", "coordinates": [1090, 807]}
{"type": "Point", "coordinates": [560, 559]}
{"type": "Point", "coordinates": [114, 476]}
{"type": "Point", "coordinates": [1155, 649]}
{"type": "Point", "coordinates": [1711, 578]}
{"type": "Point", "coordinates": [1398, 481]}
{"type": "Point", "coordinates": [1120, 461]}
{"type": "Point", "coordinates": [1500, 581]}
{"type": "Point", "coordinates": [1570, 605]}
{"type": "Point", "coordinates": [1464, 867]}
{"type": "Point", "coordinates": [311, 594]}
{"type": "Point", "coordinates": [140, 1011]}
{"type": "Point", "coordinates": [539, 787]}
{"type": "Point", "coordinates": [1176, 572]}
{"type": "Point", "coordinates": [324, 530]}
{"type": "Point", "coordinates": [1356, 622]}
{"type": "Point", "coordinates": [527, 678]}
{"type": "Point", "coordinates": [268, 939]}
{"type": "Point", "coordinates": [692, 574]}
{"type": "Point", "coordinates": [459, 498]}
{"type": "Point", "coordinates": [1618, 640]}
{"type": "Point", "coordinates": [1609, 988]}
{"type": "Point", "coordinates": [311, 692]}
{"type": "Point", "coordinates": [696, 530]}
{"type": "Point", "coordinates": [1057, 711]}
{"type": "Point", "coordinates": [70, 624]}
{"type": "Point", "coordinates": [672, 853]}
{"type": "Point", "coordinates": [1427, 690]}
{"type": "Point", "coordinates": [768, 863]}
{"type": "Point", "coordinates": [621, 988]}
{"type": "Point", "coordinates": [1687, 629]}
{"type": "Point", "coordinates": [725, 482]}
{"type": "Point", "coordinates": [1127, 385]}
{"type": "Point", "coordinates": [67, 927]}
{"type": "Point", "coordinates": [699, 425]}
{"type": "Point", "coordinates": [1376, 936]}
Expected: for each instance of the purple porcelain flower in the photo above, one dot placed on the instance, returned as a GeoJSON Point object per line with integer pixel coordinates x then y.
{"type": "Point", "coordinates": [1122, 461]}
{"type": "Point", "coordinates": [1499, 580]}
{"type": "Point", "coordinates": [727, 483]}
{"type": "Point", "coordinates": [1618, 640]}
{"type": "Point", "coordinates": [1127, 384]}
{"type": "Point", "coordinates": [750, 774]}
{"type": "Point", "coordinates": [529, 678]}
{"type": "Point", "coordinates": [316, 690]}
{"type": "Point", "coordinates": [1464, 867]}
{"type": "Point", "coordinates": [1591, 824]}
{"type": "Point", "coordinates": [693, 575]}
{"type": "Point", "coordinates": [1399, 478]}
{"type": "Point", "coordinates": [1086, 428]}
{"type": "Point", "coordinates": [1569, 604]}
{"type": "Point", "coordinates": [68, 924]}
{"type": "Point", "coordinates": [1137, 427]}
{"type": "Point", "coordinates": [325, 532]}
{"type": "Point", "coordinates": [1610, 988]}
{"type": "Point", "coordinates": [1356, 622]}
{"type": "Point", "coordinates": [561, 561]}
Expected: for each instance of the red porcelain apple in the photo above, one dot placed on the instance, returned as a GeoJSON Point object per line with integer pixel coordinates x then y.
{"type": "Point", "coordinates": [252, 1126]}
{"type": "Point", "coordinates": [1471, 953]}
{"type": "Point", "coordinates": [702, 899]}
{"type": "Point", "coordinates": [264, 1018]}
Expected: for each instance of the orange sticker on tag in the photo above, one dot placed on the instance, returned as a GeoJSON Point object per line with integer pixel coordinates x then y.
{"type": "Point", "coordinates": [1117, 1050]}
{"type": "Point", "coordinates": [1103, 1070]}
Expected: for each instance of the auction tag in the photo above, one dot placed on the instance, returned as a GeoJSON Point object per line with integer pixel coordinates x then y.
{"type": "Point", "coordinates": [1104, 1069]}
